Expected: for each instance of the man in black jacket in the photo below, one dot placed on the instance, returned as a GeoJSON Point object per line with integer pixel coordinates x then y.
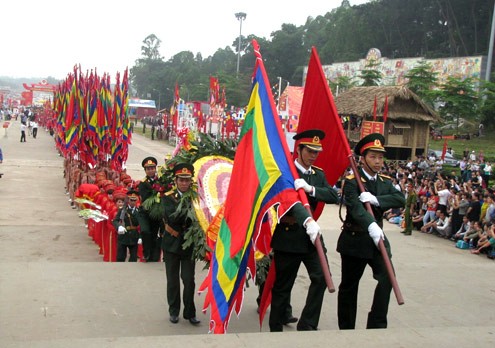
{"type": "Point", "coordinates": [361, 233]}
{"type": "Point", "coordinates": [150, 226]}
{"type": "Point", "coordinates": [179, 263]}
{"type": "Point", "coordinates": [294, 237]}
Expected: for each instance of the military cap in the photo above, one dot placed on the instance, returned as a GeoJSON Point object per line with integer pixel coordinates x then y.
{"type": "Point", "coordinates": [310, 138]}
{"type": "Point", "coordinates": [132, 194]}
{"type": "Point", "coordinates": [373, 142]}
{"type": "Point", "coordinates": [184, 170]}
{"type": "Point", "coordinates": [149, 162]}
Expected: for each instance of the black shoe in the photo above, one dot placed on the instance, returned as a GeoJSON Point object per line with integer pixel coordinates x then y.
{"type": "Point", "coordinates": [306, 328]}
{"type": "Point", "coordinates": [407, 233]}
{"type": "Point", "coordinates": [291, 320]}
{"type": "Point", "coordinates": [194, 321]}
{"type": "Point", "coordinates": [402, 231]}
{"type": "Point", "coordinates": [174, 319]}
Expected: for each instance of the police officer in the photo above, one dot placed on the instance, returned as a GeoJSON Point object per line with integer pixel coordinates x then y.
{"type": "Point", "coordinates": [361, 233]}
{"type": "Point", "coordinates": [179, 263]}
{"type": "Point", "coordinates": [294, 237]}
{"type": "Point", "coordinates": [127, 226]}
{"type": "Point", "coordinates": [150, 226]}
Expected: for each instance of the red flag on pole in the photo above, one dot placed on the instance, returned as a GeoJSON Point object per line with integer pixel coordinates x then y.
{"type": "Point", "coordinates": [444, 150]}
{"type": "Point", "coordinates": [374, 110]}
{"type": "Point", "coordinates": [175, 115]}
{"type": "Point", "coordinates": [385, 110]}
{"type": "Point", "coordinates": [318, 110]}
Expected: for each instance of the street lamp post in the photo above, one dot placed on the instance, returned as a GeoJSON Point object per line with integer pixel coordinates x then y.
{"type": "Point", "coordinates": [240, 16]}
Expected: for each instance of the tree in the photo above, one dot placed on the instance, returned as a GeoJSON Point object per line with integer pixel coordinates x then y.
{"type": "Point", "coordinates": [458, 99]}
{"type": "Point", "coordinates": [341, 84]}
{"type": "Point", "coordinates": [371, 76]}
{"type": "Point", "coordinates": [151, 47]}
{"type": "Point", "coordinates": [422, 80]}
{"type": "Point", "coordinates": [487, 109]}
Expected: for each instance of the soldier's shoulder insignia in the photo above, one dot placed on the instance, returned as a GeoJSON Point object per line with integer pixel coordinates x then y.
{"type": "Point", "coordinates": [350, 177]}
{"type": "Point", "coordinates": [317, 168]}
{"type": "Point", "coordinates": [383, 176]}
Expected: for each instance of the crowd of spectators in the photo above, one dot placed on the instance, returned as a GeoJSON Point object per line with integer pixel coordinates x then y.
{"type": "Point", "coordinates": [456, 205]}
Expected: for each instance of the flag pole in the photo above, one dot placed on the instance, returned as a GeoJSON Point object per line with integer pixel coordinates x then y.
{"type": "Point", "coordinates": [381, 245]}
{"type": "Point", "coordinates": [319, 248]}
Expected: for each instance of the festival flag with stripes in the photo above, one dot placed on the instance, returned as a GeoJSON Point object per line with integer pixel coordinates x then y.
{"type": "Point", "coordinates": [263, 175]}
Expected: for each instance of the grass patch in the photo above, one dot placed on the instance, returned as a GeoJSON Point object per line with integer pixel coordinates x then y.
{"type": "Point", "coordinates": [486, 143]}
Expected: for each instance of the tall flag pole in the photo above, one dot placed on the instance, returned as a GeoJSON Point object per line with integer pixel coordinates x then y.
{"type": "Point", "coordinates": [318, 100]}
{"type": "Point", "coordinates": [263, 173]}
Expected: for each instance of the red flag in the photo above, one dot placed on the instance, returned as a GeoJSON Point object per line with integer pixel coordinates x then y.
{"type": "Point", "coordinates": [444, 150]}
{"type": "Point", "coordinates": [175, 115]}
{"type": "Point", "coordinates": [318, 110]}
{"type": "Point", "coordinates": [374, 110]}
{"type": "Point", "coordinates": [385, 110]}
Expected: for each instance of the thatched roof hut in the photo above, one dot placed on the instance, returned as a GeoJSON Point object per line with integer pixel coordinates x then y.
{"type": "Point", "coordinates": [407, 128]}
{"type": "Point", "coordinates": [402, 103]}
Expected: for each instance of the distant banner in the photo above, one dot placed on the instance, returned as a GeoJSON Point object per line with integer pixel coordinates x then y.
{"type": "Point", "coordinates": [369, 127]}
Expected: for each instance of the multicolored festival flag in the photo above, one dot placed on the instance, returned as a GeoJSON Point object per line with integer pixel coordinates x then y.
{"type": "Point", "coordinates": [263, 174]}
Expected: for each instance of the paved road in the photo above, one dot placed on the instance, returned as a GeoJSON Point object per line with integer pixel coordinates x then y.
{"type": "Point", "coordinates": [55, 291]}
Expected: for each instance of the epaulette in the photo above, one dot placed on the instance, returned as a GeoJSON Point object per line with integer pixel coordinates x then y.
{"type": "Point", "coordinates": [318, 168]}
{"type": "Point", "coordinates": [350, 177]}
{"type": "Point", "coordinates": [385, 176]}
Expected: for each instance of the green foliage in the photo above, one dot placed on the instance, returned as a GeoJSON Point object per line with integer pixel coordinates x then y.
{"type": "Point", "coordinates": [487, 109]}
{"type": "Point", "coordinates": [341, 84]}
{"type": "Point", "coordinates": [205, 145]}
{"type": "Point", "coordinates": [457, 98]}
{"type": "Point", "coordinates": [371, 76]}
{"type": "Point", "coordinates": [414, 28]}
{"type": "Point", "coordinates": [422, 80]}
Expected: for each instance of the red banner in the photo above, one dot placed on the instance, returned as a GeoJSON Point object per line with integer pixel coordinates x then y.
{"type": "Point", "coordinates": [369, 127]}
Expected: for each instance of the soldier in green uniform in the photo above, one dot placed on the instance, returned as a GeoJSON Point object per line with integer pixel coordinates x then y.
{"type": "Point", "coordinates": [361, 233]}
{"type": "Point", "coordinates": [409, 209]}
{"type": "Point", "coordinates": [127, 226]}
{"type": "Point", "coordinates": [179, 263]}
{"type": "Point", "coordinates": [294, 237]}
{"type": "Point", "coordinates": [150, 227]}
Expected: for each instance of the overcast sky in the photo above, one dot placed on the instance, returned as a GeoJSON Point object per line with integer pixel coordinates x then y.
{"type": "Point", "coordinates": [41, 38]}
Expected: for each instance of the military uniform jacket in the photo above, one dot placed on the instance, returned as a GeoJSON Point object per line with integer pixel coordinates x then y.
{"type": "Point", "coordinates": [130, 223]}
{"type": "Point", "coordinates": [179, 224]}
{"type": "Point", "coordinates": [354, 239]}
{"type": "Point", "coordinates": [291, 236]}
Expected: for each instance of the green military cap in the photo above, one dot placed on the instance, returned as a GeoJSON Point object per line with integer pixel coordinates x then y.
{"type": "Point", "coordinates": [149, 162]}
{"type": "Point", "coordinates": [373, 142]}
{"type": "Point", "coordinates": [310, 138]}
{"type": "Point", "coordinates": [184, 170]}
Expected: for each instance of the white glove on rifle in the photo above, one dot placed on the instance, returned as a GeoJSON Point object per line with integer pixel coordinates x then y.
{"type": "Point", "coordinates": [140, 241]}
{"type": "Point", "coordinates": [376, 233]}
{"type": "Point", "coordinates": [121, 230]}
{"type": "Point", "coordinates": [301, 183]}
{"type": "Point", "coordinates": [312, 230]}
{"type": "Point", "coordinates": [368, 197]}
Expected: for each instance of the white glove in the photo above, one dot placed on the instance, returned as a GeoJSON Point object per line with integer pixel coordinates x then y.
{"type": "Point", "coordinates": [368, 197]}
{"type": "Point", "coordinates": [301, 183]}
{"type": "Point", "coordinates": [376, 233]}
{"type": "Point", "coordinates": [140, 241]}
{"type": "Point", "coordinates": [121, 230]}
{"type": "Point", "coordinates": [312, 230]}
